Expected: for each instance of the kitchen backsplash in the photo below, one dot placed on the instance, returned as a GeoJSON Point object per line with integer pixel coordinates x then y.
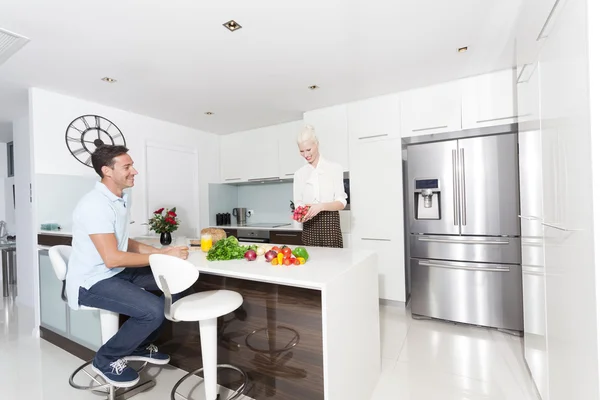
{"type": "Point", "coordinates": [270, 202]}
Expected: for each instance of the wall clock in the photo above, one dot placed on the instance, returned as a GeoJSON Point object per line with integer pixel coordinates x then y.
{"type": "Point", "coordinates": [84, 134]}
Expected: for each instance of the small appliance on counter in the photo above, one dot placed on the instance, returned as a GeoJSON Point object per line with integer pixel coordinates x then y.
{"type": "Point", "coordinates": [223, 219]}
{"type": "Point", "coordinates": [240, 214]}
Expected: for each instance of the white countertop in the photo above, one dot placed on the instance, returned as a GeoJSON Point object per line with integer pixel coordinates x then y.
{"type": "Point", "coordinates": [323, 266]}
{"type": "Point", "coordinates": [61, 232]}
{"type": "Point", "coordinates": [289, 227]}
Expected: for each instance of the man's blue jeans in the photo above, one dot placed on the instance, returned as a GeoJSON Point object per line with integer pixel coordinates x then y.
{"type": "Point", "coordinates": [123, 294]}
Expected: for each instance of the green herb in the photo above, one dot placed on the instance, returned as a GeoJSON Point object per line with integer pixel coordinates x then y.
{"type": "Point", "coordinates": [228, 249]}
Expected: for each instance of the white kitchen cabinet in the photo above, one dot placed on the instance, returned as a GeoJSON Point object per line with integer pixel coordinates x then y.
{"type": "Point", "coordinates": [53, 311]}
{"type": "Point", "coordinates": [535, 23]}
{"type": "Point", "coordinates": [572, 325]}
{"type": "Point", "coordinates": [249, 155]}
{"type": "Point", "coordinates": [430, 110]}
{"type": "Point", "coordinates": [331, 128]}
{"type": "Point", "coordinates": [377, 118]}
{"type": "Point", "coordinates": [528, 98]}
{"type": "Point", "coordinates": [290, 159]}
{"type": "Point", "coordinates": [489, 99]}
{"type": "Point", "coordinates": [377, 209]}
{"type": "Point", "coordinates": [232, 158]}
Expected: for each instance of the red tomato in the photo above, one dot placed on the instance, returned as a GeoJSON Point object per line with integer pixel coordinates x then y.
{"type": "Point", "coordinates": [287, 261]}
{"type": "Point", "coordinates": [296, 262]}
{"type": "Point", "coordinates": [287, 252]}
{"type": "Point", "coordinates": [276, 249]}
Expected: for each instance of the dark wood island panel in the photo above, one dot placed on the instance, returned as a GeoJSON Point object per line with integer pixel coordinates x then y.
{"type": "Point", "coordinates": [275, 336]}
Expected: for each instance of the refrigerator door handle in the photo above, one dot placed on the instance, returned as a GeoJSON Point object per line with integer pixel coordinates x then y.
{"type": "Point", "coordinates": [463, 200]}
{"type": "Point", "coordinates": [466, 267]}
{"type": "Point", "coordinates": [455, 187]}
{"type": "Point", "coordinates": [461, 241]}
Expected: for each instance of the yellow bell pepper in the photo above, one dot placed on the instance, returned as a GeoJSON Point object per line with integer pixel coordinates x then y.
{"type": "Point", "coordinates": [280, 258]}
{"type": "Point", "coordinates": [301, 259]}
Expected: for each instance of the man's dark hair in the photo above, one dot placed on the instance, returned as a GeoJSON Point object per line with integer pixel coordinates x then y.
{"type": "Point", "coordinates": [104, 156]}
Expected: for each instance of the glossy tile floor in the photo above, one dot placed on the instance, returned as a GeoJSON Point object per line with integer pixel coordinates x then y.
{"type": "Point", "coordinates": [421, 360]}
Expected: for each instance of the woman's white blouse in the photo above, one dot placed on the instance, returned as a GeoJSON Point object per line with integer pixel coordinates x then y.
{"type": "Point", "coordinates": [322, 184]}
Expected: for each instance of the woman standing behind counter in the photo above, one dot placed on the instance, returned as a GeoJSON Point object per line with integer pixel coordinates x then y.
{"type": "Point", "coordinates": [320, 185]}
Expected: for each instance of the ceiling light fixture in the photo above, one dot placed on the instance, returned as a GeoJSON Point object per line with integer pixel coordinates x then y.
{"type": "Point", "coordinates": [313, 87]}
{"type": "Point", "coordinates": [109, 80]}
{"type": "Point", "coordinates": [463, 49]}
{"type": "Point", "coordinates": [232, 25]}
{"type": "Point", "coordinates": [209, 113]}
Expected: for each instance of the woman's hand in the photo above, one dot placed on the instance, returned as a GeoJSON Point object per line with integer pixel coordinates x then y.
{"type": "Point", "coordinates": [313, 210]}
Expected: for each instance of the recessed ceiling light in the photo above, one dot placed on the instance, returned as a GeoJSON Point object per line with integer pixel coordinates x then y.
{"type": "Point", "coordinates": [109, 80]}
{"type": "Point", "coordinates": [462, 49]}
{"type": "Point", "coordinates": [232, 25]}
{"type": "Point", "coordinates": [313, 87]}
{"type": "Point", "coordinates": [209, 113]}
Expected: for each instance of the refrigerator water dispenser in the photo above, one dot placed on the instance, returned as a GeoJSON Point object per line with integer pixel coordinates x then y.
{"type": "Point", "coordinates": [427, 198]}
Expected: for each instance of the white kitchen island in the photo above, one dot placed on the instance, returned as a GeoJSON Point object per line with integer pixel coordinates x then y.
{"type": "Point", "coordinates": [346, 280]}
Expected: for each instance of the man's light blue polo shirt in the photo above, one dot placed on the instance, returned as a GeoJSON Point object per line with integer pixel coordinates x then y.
{"type": "Point", "coordinates": [99, 211]}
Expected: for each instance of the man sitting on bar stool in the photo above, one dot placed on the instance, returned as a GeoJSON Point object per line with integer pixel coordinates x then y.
{"type": "Point", "coordinates": [107, 270]}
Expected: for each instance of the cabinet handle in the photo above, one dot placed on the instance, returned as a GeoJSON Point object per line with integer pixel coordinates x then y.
{"type": "Point", "coordinates": [547, 23]}
{"type": "Point", "coordinates": [292, 174]}
{"type": "Point", "coordinates": [372, 136]}
{"type": "Point", "coordinates": [560, 228]}
{"type": "Point", "coordinates": [495, 119]}
{"type": "Point", "coordinates": [287, 234]}
{"type": "Point", "coordinates": [429, 129]}
{"type": "Point", "coordinates": [530, 218]}
{"type": "Point", "coordinates": [376, 239]}
{"type": "Point", "coordinates": [271, 178]}
{"type": "Point", "coordinates": [232, 179]}
{"type": "Point", "coordinates": [132, 222]}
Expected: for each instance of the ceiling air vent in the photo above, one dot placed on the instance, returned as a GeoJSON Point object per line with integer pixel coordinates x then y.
{"type": "Point", "coordinates": [10, 43]}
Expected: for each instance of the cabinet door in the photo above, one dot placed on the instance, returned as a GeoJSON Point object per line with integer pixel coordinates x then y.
{"type": "Point", "coordinates": [568, 208]}
{"type": "Point", "coordinates": [233, 159]}
{"type": "Point", "coordinates": [84, 328]}
{"type": "Point", "coordinates": [53, 310]}
{"type": "Point", "coordinates": [290, 159]}
{"type": "Point", "coordinates": [528, 99]}
{"type": "Point", "coordinates": [489, 100]}
{"type": "Point", "coordinates": [430, 110]}
{"type": "Point", "coordinates": [377, 118]}
{"type": "Point", "coordinates": [376, 188]}
{"type": "Point", "coordinates": [390, 266]}
{"type": "Point", "coordinates": [535, 23]}
{"type": "Point", "coordinates": [377, 210]}
{"type": "Point", "coordinates": [331, 128]}
{"type": "Point", "coordinates": [261, 153]}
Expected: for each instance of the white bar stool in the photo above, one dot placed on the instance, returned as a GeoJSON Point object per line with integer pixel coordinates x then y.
{"type": "Point", "coordinates": [174, 275]}
{"type": "Point", "coordinates": [109, 323]}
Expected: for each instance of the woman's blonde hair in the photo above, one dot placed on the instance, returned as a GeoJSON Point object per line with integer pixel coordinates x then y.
{"type": "Point", "coordinates": [308, 134]}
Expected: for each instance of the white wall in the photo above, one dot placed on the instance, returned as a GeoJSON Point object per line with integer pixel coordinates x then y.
{"type": "Point", "coordinates": [53, 113]}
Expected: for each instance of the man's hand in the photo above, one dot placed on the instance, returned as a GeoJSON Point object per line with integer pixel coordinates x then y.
{"type": "Point", "coordinates": [178, 251]}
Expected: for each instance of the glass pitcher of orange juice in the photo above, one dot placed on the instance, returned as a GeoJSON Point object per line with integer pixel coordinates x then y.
{"type": "Point", "coordinates": [206, 242]}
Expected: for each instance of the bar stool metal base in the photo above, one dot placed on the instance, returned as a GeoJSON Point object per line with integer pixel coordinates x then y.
{"type": "Point", "coordinates": [237, 393]}
{"type": "Point", "coordinates": [112, 392]}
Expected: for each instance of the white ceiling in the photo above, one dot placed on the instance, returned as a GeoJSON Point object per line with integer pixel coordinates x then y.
{"type": "Point", "coordinates": [174, 60]}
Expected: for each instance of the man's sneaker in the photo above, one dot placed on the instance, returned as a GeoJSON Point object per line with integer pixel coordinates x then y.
{"type": "Point", "coordinates": [118, 374]}
{"type": "Point", "coordinates": [150, 355]}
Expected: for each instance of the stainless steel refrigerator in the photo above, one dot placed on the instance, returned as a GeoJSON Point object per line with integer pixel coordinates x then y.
{"type": "Point", "coordinates": [465, 249]}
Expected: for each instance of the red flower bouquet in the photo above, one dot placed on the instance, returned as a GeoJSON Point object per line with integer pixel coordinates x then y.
{"type": "Point", "coordinates": [300, 212]}
{"type": "Point", "coordinates": [163, 222]}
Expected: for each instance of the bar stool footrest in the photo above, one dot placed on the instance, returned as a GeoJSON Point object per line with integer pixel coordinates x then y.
{"type": "Point", "coordinates": [112, 392]}
{"type": "Point", "coordinates": [237, 393]}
